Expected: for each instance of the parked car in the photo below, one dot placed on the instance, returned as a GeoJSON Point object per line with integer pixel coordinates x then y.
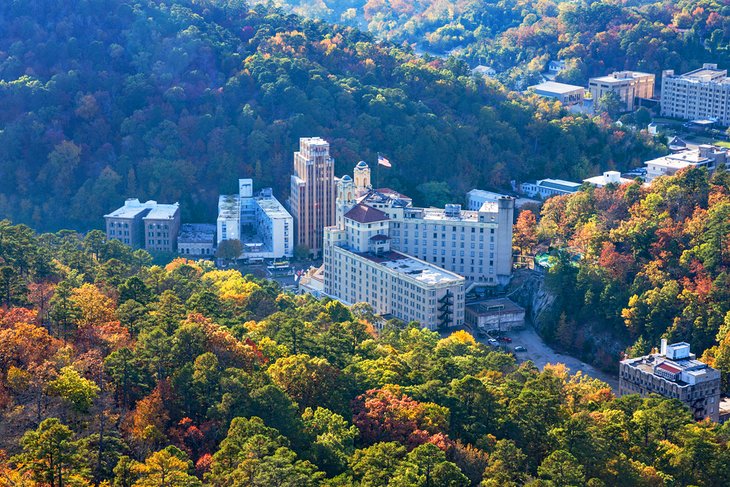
{"type": "Point", "coordinates": [493, 342]}
{"type": "Point", "coordinates": [505, 339]}
{"type": "Point", "coordinates": [520, 348]}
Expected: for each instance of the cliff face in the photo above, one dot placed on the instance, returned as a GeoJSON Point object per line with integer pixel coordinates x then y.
{"type": "Point", "coordinates": [596, 346]}
{"type": "Point", "coordinates": [529, 292]}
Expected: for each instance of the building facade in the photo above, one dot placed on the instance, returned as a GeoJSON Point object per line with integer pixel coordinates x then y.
{"type": "Point", "coordinates": [629, 86]}
{"type": "Point", "coordinates": [161, 226]}
{"type": "Point", "coordinates": [150, 225]}
{"type": "Point", "coordinates": [126, 225]}
{"type": "Point", "coordinates": [360, 266]}
{"type": "Point", "coordinates": [700, 94]}
{"type": "Point", "coordinates": [260, 222]}
{"type": "Point", "coordinates": [675, 373]}
{"type": "Point", "coordinates": [566, 94]}
{"type": "Point", "coordinates": [477, 197]}
{"type": "Point", "coordinates": [196, 240]}
{"type": "Point", "coordinates": [313, 192]}
{"type": "Point", "coordinates": [474, 244]}
{"type": "Point", "coordinates": [708, 156]}
{"type": "Point", "coordinates": [545, 188]}
{"type": "Point", "coordinates": [274, 225]}
{"type": "Point", "coordinates": [500, 314]}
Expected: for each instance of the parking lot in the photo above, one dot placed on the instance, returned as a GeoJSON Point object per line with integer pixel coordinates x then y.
{"type": "Point", "coordinates": [541, 354]}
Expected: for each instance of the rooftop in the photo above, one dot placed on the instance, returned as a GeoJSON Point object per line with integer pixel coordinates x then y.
{"type": "Point", "coordinates": [555, 87]}
{"type": "Point", "coordinates": [414, 268]}
{"type": "Point", "coordinates": [163, 212]}
{"type": "Point", "coordinates": [682, 368]}
{"type": "Point", "coordinates": [272, 207]}
{"type": "Point", "coordinates": [620, 76]}
{"type": "Point", "coordinates": [196, 233]}
{"type": "Point", "coordinates": [228, 206]}
{"type": "Point", "coordinates": [495, 306]}
{"type": "Point", "coordinates": [387, 196]}
{"type": "Point", "coordinates": [132, 208]}
{"type": "Point", "coordinates": [559, 184]}
{"type": "Point", "coordinates": [680, 160]}
{"type": "Point", "coordinates": [607, 178]}
{"type": "Point", "coordinates": [489, 195]}
{"type": "Point", "coordinates": [707, 72]}
{"type": "Point", "coordinates": [365, 214]}
{"type": "Point", "coordinates": [392, 192]}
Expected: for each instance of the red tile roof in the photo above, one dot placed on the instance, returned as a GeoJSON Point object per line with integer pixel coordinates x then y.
{"type": "Point", "coordinates": [669, 368]}
{"type": "Point", "coordinates": [366, 214]}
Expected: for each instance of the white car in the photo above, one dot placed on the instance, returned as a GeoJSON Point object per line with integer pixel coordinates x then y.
{"type": "Point", "coordinates": [493, 342]}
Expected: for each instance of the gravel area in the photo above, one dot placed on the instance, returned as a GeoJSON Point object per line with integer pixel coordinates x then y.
{"type": "Point", "coordinates": [541, 354]}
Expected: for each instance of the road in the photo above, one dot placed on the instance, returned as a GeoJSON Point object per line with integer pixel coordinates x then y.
{"type": "Point", "coordinates": [541, 354]}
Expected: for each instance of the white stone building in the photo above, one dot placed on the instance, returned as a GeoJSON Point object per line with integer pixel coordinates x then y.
{"type": "Point", "coordinates": [608, 177]}
{"type": "Point", "coordinates": [360, 266]}
{"type": "Point", "coordinates": [700, 94]}
{"type": "Point", "coordinates": [260, 222]}
{"type": "Point", "coordinates": [477, 197]}
{"type": "Point", "coordinates": [705, 155]}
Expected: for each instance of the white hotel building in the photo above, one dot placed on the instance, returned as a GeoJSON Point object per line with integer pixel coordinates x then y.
{"type": "Point", "coordinates": [359, 266]}
{"type": "Point", "coordinates": [474, 244]}
{"type": "Point", "coordinates": [413, 263]}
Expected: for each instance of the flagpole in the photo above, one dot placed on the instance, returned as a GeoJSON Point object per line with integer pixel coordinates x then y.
{"type": "Point", "coordinates": [377, 169]}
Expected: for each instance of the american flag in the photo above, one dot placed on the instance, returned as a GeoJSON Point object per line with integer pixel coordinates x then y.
{"type": "Point", "coordinates": [383, 161]}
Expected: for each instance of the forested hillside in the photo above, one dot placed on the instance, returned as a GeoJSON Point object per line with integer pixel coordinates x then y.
{"type": "Point", "coordinates": [116, 372]}
{"type": "Point", "coordinates": [653, 262]}
{"type": "Point", "coordinates": [519, 37]}
{"type": "Point", "coordinates": [175, 100]}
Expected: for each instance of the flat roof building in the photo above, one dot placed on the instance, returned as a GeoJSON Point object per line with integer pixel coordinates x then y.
{"type": "Point", "coordinates": [674, 372]}
{"type": "Point", "coordinates": [477, 197]}
{"type": "Point", "coordinates": [608, 177]}
{"type": "Point", "coordinates": [566, 94]}
{"type": "Point", "coordinates": [708, 156]}
{"type": "Point", "coordinates": [196, 240]}
{"type": "Point", "coordinates": [162, 224]}
{"type": "Point", "coordinates": [260, 222]}
{"type": "Point", "coordinates": [702, 94]}
{"type": "Point", "coordinates": [360, 266]}
{"type": "Point", "coordinates": [474, 244]}
{"type": "Point", "coordinates": [629, 86]}
{"type": "Point", "coordinates": [149, 225]}
{"type": "Point", "coordinates": [546, 188]}
{"type": "Point", "coordinates": [500, 314]}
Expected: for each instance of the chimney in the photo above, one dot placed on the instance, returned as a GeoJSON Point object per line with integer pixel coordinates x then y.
{"type": "Point", "coordinates": [663, 350]}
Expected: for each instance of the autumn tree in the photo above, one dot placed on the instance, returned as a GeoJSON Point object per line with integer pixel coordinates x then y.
{"type": "Point", "coordinates": [52, 455]}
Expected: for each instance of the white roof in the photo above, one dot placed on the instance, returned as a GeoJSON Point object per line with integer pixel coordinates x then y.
{"type": "Point", "coordinates": [555, 87]}
{"type": "Point", "coordinates": [480, 193]}
{"type": "Point", "coordinates": [272, 208]}
{"type": "Point", "coordinates": [228, 207]}
{"type": "Point", "coordinates": [679, 160]}
{"type": "Point", "coordinates": [621, 76]}
{"type": "Point", "coordinates": [132, 207]}
{"type": "Point", "coordinates": [420, 270]}
{"type": "Point", "coordinates": [162, 212]}
{"type": "Point", "coordinates": [603, 180]}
